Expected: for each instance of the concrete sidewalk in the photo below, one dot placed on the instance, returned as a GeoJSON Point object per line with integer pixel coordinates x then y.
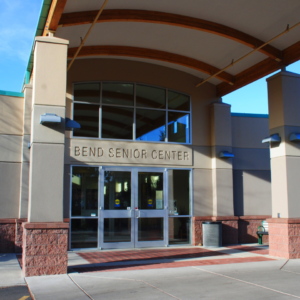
{"type": "Point", "coordinates": [208, 277]}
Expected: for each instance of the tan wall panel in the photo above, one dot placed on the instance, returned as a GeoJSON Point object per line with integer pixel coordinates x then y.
{"type": "Point", "coordinates": [46, 172]}
{"type": "Point", "coordinates": [49, 87]}
{"type": "Point", "coordinates": [11, 115]}
{"type": "Point", "coordinates": [26, 150]}
{"type": "Point", "coordinates": [202, 157]}
{"type": "Point", "coordinates": [251, 159]}
{"type": "Point", "coordinates": [118, 70]}
{"type": "Point", "coordinates": [27, 108]}
{"type": "Point", "coordinates": [220, 162]}
{"type": "Point", "coordinates": [293, 167]}
{"type": "Point", "coordinates": [222, 192]}
{"type": "Point", "coordinates": [202, 181]}
{"type": "Point", "coordinates": [10, 148]}
{"type": "Point", "coordinates": [48, 133]}
{"type": "Point", "coordinates": [221, 124]}
{"type": "Point", "coordinates": [23, 207]}
{"type": "Point", "coordinates": [257, 193]}
{"type": "Point", "coordinates": [67, 180]}
{"type": "Point", "coordinates": [279, 187]}
{"type": "Point", "coordinates": [249, 132]}
{"type": "Point", "coordinates": [10, 174]}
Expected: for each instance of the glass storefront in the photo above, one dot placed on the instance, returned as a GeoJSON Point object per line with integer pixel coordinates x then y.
{"type": "Point", "coordinates": [122, 207]}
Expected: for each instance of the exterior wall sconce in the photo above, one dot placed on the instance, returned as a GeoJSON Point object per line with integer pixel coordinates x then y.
{"type": "Point", "coordinates": [226, 154]}
{"type": "Point", "coordinates": [50, 119]}
{"type": "Point", "coordinates": [295, 137]}
{"type": "Point", "coordinates": [274, 138]}
{"type": "Point", "coordinates": [72, 125]}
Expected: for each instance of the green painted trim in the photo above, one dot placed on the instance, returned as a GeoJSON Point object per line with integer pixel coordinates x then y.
{"type": "Point", "coordinates": [250, 115]}
{"type": "Point", "coordinates": [13, 94]}
{"type": "Point", "coordinates": [39, 31]}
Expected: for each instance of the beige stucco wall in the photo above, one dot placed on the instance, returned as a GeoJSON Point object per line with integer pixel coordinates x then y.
{"type": "Point", "coordinates": [11, 131]}
{"type": "Point", "coordinates": [251, 166]}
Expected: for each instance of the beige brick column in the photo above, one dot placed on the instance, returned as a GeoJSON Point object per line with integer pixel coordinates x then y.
{"type": "Point", "coordinates": [284, 119]}
{"type": "Point", "coordinates": [44, 238]}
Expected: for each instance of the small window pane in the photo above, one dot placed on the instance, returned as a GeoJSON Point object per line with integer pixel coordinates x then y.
{"type": "Point", "coordinates": [117, 230]}
{"type": "Point", "coordinates": [179, 231]}
{"type": "Point", "coordinates": [150, 125]}
{"type": "Point", "coordinates": [117, 122]}
{"type": "Point", "coordinates": [147, 96]}
{"type": "Point", "coordinates": [117, 190]}
{"type": "Point", "coordinates": [87, 92]}
{"type": "Point", "coordinates": [150, 190]}
{"type": "Point", "coordinates": [150, 229]}
{"type": "Point", "coordinates": [117, 93]}
{"type": "Point", "coordinates": [178, 127]}
{"type": "Point", "coordinates": [179, 192]}
{"type": "Point", "coordinates": [84, 233]}
{"type": "Point", "coordinates": [85, 191]}
{"type": "Point", "coordinates": [88, 117]}
{"type": "Point", "coordinates": [178, 101]}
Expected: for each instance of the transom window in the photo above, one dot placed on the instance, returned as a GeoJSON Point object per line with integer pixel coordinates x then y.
{"type": "Point", "coordinates": [129, 111]}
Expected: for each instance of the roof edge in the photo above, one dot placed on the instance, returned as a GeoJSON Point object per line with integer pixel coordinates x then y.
{"type": "Point", "coordinates": [250, 115]}
{"type": "Point", "coordinates": [12, 94]}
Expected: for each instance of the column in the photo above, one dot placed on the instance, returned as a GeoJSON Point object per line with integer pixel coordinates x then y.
{"type": "Point", "coordinates": [222, 176]}
{"type": "Point", "coordinates": [284, 119]}
{"type": "Point", "coordinates": [45, 234]}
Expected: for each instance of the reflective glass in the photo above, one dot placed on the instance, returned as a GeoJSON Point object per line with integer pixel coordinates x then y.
{"type": "Point", "coordinates": [88, 117]}
{"type": "Point", "coordinates": [117, 190]}
{"type": "Point", "coordinates": [150, 125]}
{"type": "Point", "coordinates": [179, 192]}
{"type": "Point", "coordinates": [179, 231]}
{"type": "Point", "coordinates": [117, 93]}
{"type": "Point", "coordinates": [85, 191]}
{"type": "Point", "coordinates": [150, 229]}
{"type": "Point", "coordinates": [178, 127]}
{"type": "Point", "coordinates": [178, 101]}
{"type": "Point", "coordinates": [147, 96]}
{"type": "Point", "coordinates": [117, 230]}
{"type": "Point", "coordinates": [87, 92]}
{"type": "Point", "coordinates": [117, 122]}
{"type": "Point", "coordinates": [150, 190]}
{"type": "Point", "coordinates": [84, 233]}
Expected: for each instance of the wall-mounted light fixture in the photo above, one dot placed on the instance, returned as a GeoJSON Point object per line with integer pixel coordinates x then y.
{"type": "Point", "coordinates": [295, 137]}
{"type": "Point", "coordinates": [72, 125]}
{"type": "Point", "coordinates": [274, 138]}
{"type": "Point", "coordinates": [50, 119]}
{"type": "Point", "coordinates": [226, 154]}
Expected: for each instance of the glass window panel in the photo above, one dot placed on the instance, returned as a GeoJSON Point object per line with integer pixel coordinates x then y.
{"type": "Point", "coordinates": [85, 191]}
{"type": "Point", "coordinates": [87, 92]}
{"type": "Point", "coordinates": [150, 229]}
{"type": "Point", "coordinates": [84, 233]}
{"type": "Point", "coordinates": [150, 125]}
{"type": "Point", "coordinates": [179, 231]}
{"type": "Point", "coordinates": [147, 96]}
{"type": "Point", "coordinates": [117, 230]}
{"type": "Point", "coordinates": [117, 190]}
{"type": "Point", "coordinates": [150, 190]}
{"type": "Point", "coordinates": [179, 192]}
{"type": "Point", "coordinates": [117, 122]}
{"type": "Point", "coordinates": [178, 101]}
{"type": "Point", "coordinates": [117, 93]}
{"type": "Point", "coordinates": [178, 127]}
{"type": "Point", "coordinates": [88, 117]}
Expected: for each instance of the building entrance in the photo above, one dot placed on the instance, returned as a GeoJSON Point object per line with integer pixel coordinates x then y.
{"type": "Point", "coordinates": [133, 208]}
{"type": "Point", "coordinates": [129, 207]}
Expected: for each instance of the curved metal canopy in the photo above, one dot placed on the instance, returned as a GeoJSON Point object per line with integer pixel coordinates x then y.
{"type": "Point", "coordinates": [197, 36]}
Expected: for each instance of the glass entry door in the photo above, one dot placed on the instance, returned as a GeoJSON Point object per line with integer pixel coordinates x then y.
{"type": "Point", "coordinates": [133, 208]}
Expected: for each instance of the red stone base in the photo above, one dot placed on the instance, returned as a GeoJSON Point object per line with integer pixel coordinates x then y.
{"type": "Point", "coordinates": [11, 234]}
{"type": "Point", "coordinates": [45, 248]}
{"type": "Point", "coordinates": [284, 238]}
{"type": "Point", "coordinates": [235, 230]}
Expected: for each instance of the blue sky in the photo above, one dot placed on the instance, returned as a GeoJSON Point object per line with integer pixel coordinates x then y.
{"type": "Point", "coordinates": [18, 21]}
